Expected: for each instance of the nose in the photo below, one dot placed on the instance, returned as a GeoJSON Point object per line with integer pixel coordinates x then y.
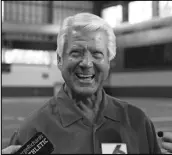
{"type": "Point", "coordinates": [87, 60]}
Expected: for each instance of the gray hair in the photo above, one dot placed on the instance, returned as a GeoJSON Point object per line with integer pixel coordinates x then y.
{"type": "Point", "coordinates": [89, 22]}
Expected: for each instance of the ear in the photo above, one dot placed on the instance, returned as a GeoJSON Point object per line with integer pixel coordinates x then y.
{"type": "Point", "coordinates": [59, 62]}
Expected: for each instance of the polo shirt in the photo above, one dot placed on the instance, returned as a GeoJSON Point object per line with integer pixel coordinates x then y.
{"type": "Point", "coordinates": [71, 132]}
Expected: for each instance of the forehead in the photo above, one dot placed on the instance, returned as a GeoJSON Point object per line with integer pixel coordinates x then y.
{"type": "Point", "coordinates": [91, 38]}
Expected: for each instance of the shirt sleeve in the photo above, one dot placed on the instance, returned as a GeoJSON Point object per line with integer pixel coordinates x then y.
{"type": "Point", "coordinates": [23, 134]}
{"type": "Point", "coordinates": [15, 139]}
{"type": "Point", "coordinates": [152, 138]}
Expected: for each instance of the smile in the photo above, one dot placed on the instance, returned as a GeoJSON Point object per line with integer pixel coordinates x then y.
{"type": "Point", "coordinates": [85, 77]}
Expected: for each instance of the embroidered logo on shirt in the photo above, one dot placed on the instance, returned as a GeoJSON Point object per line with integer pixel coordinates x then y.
{"type": "Point", "coordinates": [114, 148]}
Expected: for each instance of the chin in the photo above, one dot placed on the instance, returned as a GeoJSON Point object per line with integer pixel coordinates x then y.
{"type": "Point", "coordinates": [84, 91]}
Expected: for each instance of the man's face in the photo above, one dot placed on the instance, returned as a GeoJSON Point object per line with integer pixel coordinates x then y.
{"type": "Point", "coordinates": [85, 62]}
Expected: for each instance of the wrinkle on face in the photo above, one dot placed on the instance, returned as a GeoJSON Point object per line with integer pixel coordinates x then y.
{"type": "Point", "coordinates": [86, 96]}
{"type": "Point", "coordinates": [86, 42]}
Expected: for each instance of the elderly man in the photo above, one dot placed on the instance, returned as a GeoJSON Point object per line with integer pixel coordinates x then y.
{"type": "Point", "coordinates": [82, 118]}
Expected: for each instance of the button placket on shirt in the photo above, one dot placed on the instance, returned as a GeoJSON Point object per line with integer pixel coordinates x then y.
{"type": "Point", "coordinates": [94, 140]}
{"type": "Point", "coordinates": [93, 129]}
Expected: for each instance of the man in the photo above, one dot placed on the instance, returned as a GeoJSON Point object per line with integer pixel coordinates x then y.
{"type": "Point", "coordinates": [82, 117]}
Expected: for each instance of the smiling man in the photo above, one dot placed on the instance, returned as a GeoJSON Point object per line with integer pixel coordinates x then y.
{"type": "Point", "coordinates": [85, 66]}
{"type": "Point", "coordinates": [82, 118]}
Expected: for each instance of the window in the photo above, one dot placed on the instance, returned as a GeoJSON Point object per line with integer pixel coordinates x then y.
{"type": "Point", "coordinates": [113, 15]}
{"type": "Point", "coordinates": [149, 57]}
{"type": "Point", "coordinates": [53, 58]}
{"type": "Point", "coordinates": [165, 8]}
{"type": "Point", "coordinates": [140, 11]}
{"type": "Point", "coordinates": [2, 6]}
{"type": "Point", "coordinates": [23, 56]}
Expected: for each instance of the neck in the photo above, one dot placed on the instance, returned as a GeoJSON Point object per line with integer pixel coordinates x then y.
{"type": "Point", "coordinates": [92, 101]}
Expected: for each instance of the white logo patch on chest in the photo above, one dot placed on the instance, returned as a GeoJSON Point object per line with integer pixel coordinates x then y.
{"type": "Point", "coordinates": [114, 148]}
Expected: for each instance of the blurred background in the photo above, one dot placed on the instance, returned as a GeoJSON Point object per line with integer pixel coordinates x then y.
{"type": "Point", "coordinates": [141, 73]}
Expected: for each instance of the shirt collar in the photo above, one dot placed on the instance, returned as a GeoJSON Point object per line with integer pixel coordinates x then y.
{"type": "Point", "coordinates": [112, 108]}
{"type": "Point", "coordinates": [69, 113]}
{"type": "Point", "coordinates": [67, 109]}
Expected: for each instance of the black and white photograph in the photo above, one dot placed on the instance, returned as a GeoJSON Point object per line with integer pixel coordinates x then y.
{"type": "Point", "coordinates": [86, 77]}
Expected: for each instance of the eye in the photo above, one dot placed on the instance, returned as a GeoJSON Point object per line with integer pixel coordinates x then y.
{"type": "Point", "coordinates": [75, 53]}
{"type": "Point", "coordinates": [98, 54]}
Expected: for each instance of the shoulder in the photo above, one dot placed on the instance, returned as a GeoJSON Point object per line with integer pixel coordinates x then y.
{"type": "Point", "coordinates": [46, 109]}
{"type": "Point", "coordinates": [126, 106]}
{"type": "Point", "coordinates": [34, 122]}
{"type": "Point", "coordinates": [132, 113]}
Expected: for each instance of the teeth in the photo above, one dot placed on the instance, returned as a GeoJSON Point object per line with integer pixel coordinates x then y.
{"type": "Point", "coordinates": [85, 76]}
